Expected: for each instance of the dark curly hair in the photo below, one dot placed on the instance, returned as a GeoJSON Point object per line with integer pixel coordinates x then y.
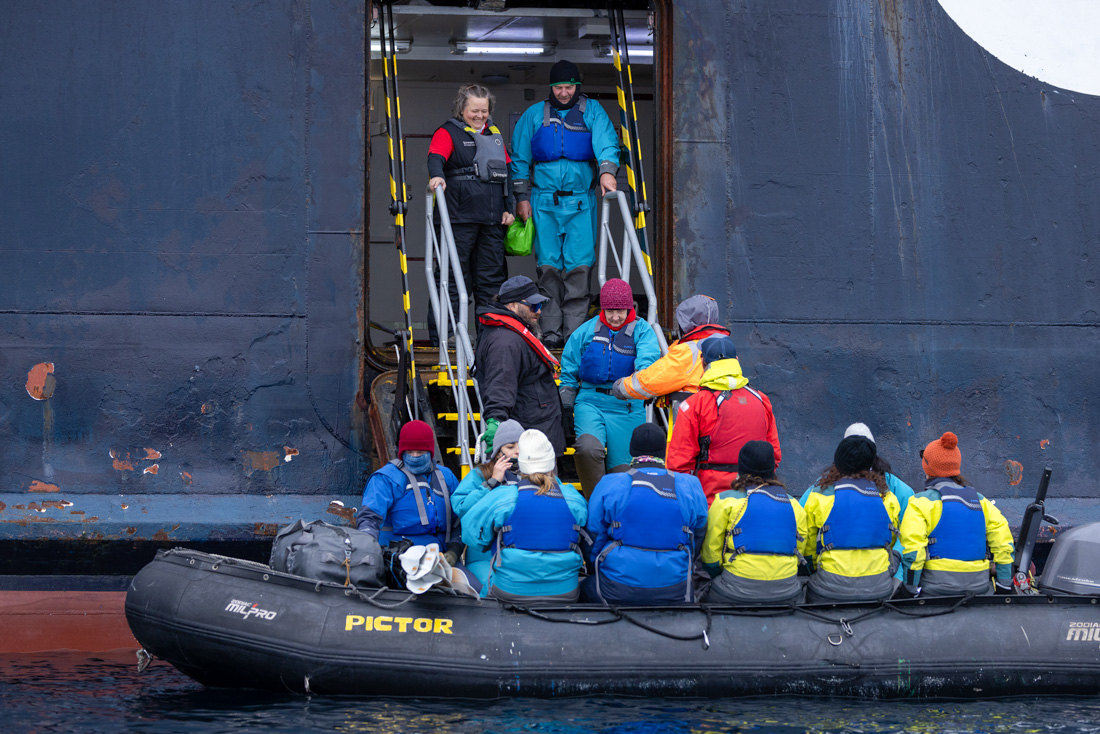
{"type": "Point", "coordinates": [832, 475]}
{"type": "Point", "coordinates": [745, 481]}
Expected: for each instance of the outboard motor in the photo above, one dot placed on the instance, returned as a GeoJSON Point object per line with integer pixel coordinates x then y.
{"type": "Point", "coordinates": [1073, 566]}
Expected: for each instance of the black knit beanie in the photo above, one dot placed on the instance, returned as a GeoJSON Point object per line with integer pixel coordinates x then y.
{"type": "Point", "coordinates": [648, 440]}
{"type": "Point", "coordinates": [565, 72]}
{"type": "Point", "coordinates": [854, 454]}
{"type": "Point", "coordinates": [757, 459]}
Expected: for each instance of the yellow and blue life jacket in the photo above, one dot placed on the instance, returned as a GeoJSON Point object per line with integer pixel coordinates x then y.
{"type": "Point", "coordinates": [960, 533]}
{"type": "Point", "coordinates": [768, 525]}
{"type": "Point", "coordinates": [858, 519]}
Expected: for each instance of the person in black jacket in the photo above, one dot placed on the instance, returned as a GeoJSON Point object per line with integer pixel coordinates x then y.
{"type": "Point", "coordinates": [468, 164]}
{"type": "Point", "coordinates": [515, 372]}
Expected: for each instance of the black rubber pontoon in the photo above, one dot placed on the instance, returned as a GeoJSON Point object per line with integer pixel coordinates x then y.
{"type": "Point", "coordinates": [226, 622]}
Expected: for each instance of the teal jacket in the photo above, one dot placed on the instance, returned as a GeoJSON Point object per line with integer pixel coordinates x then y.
{"type": "Point", "coordinates": [463, 499]}
{"type": "Point", "coordinates": [522, 572]}
{"type": "Point", "coordinates": [648, 350]}
{"type": "Point", "coordinates": [563, 174]}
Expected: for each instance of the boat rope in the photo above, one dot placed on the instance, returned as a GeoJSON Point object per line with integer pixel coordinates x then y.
{"type": "Point", "coordinates": [934, 613]}
{"type": "Point", "coordinates": [372, 598]}
{"type": "Point", "coordinates": [617, 615]}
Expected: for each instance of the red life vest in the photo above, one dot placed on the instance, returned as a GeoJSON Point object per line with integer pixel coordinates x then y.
{"type": "Point", "coordinates": [513, 323]}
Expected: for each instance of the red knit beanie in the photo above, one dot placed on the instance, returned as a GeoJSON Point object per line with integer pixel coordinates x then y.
{"type": "Point", "coordinates": [616, 295]}
{"type": "Point", "coordinates": [416, 436]}
{"type": "Point", "coordinates": [942, 457]}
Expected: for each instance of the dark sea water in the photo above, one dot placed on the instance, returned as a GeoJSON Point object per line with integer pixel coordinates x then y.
{"type": "Point", "coordinates": [62, 693]}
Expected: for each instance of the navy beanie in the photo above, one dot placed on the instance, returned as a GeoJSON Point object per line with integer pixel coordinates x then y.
{"type": "Point", "coordinates": [718, 347]}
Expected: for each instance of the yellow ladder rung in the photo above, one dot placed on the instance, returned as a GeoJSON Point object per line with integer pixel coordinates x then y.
{"type": "Point", "coordinates": [457, 450]}
{"type": "Point", "coordinates": [454, 416]}
{"type": "Point", "coordinates": [446, 381]}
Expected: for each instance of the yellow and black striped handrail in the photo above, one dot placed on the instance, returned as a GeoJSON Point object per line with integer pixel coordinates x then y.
{"type": "Point", "coordinates": [628, 116]}
{"type": "Point", "coordinates": [399, 197]}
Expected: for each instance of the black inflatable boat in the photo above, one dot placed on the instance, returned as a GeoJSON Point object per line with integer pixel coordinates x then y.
{"type": "Point", "coordinates": [228, 622]}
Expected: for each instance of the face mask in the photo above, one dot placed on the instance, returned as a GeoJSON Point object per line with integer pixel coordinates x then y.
{"type": "Point", "coordinates": [417, 464]}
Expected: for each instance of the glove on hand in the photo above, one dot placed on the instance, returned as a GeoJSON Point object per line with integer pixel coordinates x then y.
{"type": "Point", "coordinates": [491, 427]}
{"type": "Point", "coordinates": [619, 390]}
{"type": "Point", "coordinates": [568, 397]}
{"type": "Point", "coordinates": [452, 558]}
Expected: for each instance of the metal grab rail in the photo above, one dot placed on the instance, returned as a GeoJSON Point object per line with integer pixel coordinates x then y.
{"type": "Point", "coordinates": [632, 255]}
{"type": "Point", "coordinates": [441, 248]}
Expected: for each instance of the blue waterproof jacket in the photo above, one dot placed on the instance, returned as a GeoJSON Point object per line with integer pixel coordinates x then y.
{"type": "Point", "coordinates": [518, 571]}
{"type": "Point", "coordinates": [388, 504]}
{"type": "Point", "coordinates": [630, 564]}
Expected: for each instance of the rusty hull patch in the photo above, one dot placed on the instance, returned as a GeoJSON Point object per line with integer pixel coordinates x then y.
{"type": "Point", "coordinates": [40, 381]}
{"type": "Point", "coordinates": [1014, 470]}
{"type": "Point", "coordinates": [338, 509]}
{"type": "Point", "coordinates": [260, 460]}
{"type": "Point", "coordinates": [266, 528]}
{"type": "Point", "coordinates": [40, 486]}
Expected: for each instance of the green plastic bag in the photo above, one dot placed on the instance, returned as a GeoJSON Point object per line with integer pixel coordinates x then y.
{"type": "Point", "coordinates": [521, 237]}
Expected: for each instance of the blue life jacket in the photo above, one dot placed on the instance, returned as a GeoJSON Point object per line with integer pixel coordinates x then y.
{"type": "Point", "coordinates": [858, 520]}
{"type": "Point", "coordinates": [960, 533]}
{"type": "Point", "coordinates": [416, 511]}
{"type": "Point", "coordinates": [563, 138]}
{"type": "Point", "coordinates": [768, 526]}
{"type": "Point", "coordinates": [540, 522]}
{"type": "Point", "coordinates": [610, 355]}
{"type": "Point", "coordinates": [651, 518]}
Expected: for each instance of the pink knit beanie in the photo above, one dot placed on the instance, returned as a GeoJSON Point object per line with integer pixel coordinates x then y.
{"type": "Point", "coordinates": [615, 295]}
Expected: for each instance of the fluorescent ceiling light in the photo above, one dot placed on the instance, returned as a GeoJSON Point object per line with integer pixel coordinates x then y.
{"type": "Point", "coordinates": [503, 48]}
{"type": "Point", "coordinates": [603, 49]}
{"type": "Point", "coordinates": [402, 46]}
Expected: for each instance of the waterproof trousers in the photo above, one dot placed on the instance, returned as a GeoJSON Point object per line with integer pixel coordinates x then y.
{"type": "Point", "coordinates": [603, 425]}
{"type": "Point", "coordinates": [565, 250]}
{"type": "Point", "coordinates": [480, 250]}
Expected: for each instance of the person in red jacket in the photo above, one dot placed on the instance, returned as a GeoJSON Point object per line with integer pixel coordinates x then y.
{"type": "Point", "coordinates": [713, 424]}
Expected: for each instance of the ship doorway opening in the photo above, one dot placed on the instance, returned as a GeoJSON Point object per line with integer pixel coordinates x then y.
{"type": "Point", "coordinates": [434, 59]}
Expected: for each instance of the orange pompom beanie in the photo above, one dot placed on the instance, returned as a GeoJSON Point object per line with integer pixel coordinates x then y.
{"type": "Point", "coordinates": [942, 457]}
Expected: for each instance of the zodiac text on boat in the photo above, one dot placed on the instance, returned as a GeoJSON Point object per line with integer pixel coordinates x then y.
{"type": "Point", "coordinates": [398, 624]}
{"type": "Point", "coordinates": [248, 609]}
{"type": "Point", "coordinates": [1084, 631]}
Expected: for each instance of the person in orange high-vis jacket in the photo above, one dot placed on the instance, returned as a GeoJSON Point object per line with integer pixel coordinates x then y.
{"type": "Point", "coordinates": [681, 370]}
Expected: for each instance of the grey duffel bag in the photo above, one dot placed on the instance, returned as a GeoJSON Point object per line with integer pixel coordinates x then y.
{"type": "Point", "coordinates": [317, 550]}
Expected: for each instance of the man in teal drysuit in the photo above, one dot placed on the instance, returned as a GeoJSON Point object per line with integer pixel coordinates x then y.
{"type": "Point", "coordinates": [566, 139]}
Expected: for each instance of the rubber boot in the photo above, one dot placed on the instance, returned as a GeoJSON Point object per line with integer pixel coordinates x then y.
{"type": "Point", "coordinates": [551, 284]}
{"type": "Point", "coordinates": [589, 459]}
{"type": "Point", "coordinates": [574, 307]}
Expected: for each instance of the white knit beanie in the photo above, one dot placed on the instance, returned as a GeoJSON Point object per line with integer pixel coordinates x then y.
{"type": "Point", "coordinates": [859, 429]}
{"type": "Point", "coordinates": [536, 453]}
